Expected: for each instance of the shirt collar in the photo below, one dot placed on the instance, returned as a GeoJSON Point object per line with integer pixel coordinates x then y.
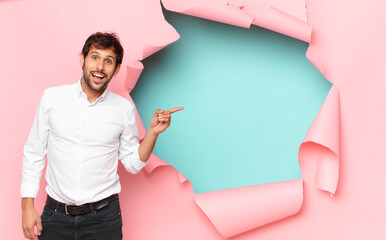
{"type": "Point", "coordinates": [80, 91]}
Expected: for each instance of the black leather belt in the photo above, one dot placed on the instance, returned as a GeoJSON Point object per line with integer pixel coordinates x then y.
{"type": "Point", "coordinates": [81, 209]}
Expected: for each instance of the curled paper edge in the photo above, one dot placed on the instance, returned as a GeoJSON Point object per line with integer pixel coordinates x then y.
{"type": "Point", "coordinates": [239, 15]}
{"type": "Point", "coordinates": [323, 136]}
{"type": "Point", "coordinates": [156, 162]}
{"type": "Point", "coordinates": [148, 49]}
{"type": "Point", "coordinates": [213, 11]}
{"type": "Point", "coordinates": [281, 22]}
{"type": "Point", "coordinates": [133, 71]}
{"type": "Point", "coordinates": [252, 206]}
{"type": "Point", "coordinates": [317, 61]}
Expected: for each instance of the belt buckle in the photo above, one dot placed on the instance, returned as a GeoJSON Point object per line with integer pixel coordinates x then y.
{"type": "Point", "coordinates": [66, 208]}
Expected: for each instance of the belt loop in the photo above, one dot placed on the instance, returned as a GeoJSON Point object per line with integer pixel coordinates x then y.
{"type": "Point", "coordinates": [57, 206]}
{"type": "Point", "coordinates": [91, 207]}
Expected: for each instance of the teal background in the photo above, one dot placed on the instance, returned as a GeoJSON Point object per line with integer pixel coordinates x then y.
{"type": "Point", "coordinates": [250, 96]}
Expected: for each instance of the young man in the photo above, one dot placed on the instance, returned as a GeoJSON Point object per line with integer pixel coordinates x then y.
{"type": "Point", "coordinates": [83, 129]}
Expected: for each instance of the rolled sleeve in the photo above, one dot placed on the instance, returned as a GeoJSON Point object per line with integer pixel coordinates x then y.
{"type": "Point", "coordinates": [129, 145]}
{"type": "Point", "coordinates": [34, 153]}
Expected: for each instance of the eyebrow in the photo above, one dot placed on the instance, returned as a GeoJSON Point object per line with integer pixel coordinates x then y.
{"type": "Point", "coordinates": [99, 54]}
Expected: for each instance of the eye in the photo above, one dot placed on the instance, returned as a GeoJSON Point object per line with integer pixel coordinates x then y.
{"type": "Point", "coordinates": [108, 61]}
{"type": "Point", "coordinates": [94, 57]}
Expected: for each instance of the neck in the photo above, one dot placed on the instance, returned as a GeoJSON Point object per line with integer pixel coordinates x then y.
{"type": "Point", "coordinates": [92, 95]}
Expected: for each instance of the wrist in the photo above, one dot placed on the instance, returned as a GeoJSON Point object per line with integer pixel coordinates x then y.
{"type": "Point", "coordinates": [150, 133]}
{"type": "Point", "coordinates": [27, 203]}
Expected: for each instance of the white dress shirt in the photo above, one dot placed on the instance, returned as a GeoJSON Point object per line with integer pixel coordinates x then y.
{"type": "Point", "coordinates": [82, 142]}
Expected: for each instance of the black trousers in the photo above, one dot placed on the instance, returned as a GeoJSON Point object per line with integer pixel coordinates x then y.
{"type": "Point", "coordinates": [102, 224]}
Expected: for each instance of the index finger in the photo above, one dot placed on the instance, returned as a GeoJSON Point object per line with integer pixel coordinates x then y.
{"type": "Point", "coordinates": [176, 109]}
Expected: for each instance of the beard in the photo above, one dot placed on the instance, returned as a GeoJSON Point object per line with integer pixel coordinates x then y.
{"type": "Point", "coordinates": [97, 88]}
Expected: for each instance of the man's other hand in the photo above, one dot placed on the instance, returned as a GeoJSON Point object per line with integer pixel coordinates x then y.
{"type": "Point", "coordinates": [30, 219]}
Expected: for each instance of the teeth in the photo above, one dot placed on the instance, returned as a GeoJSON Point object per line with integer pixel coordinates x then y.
{"type": "Point", "coordinates": [97, 75]}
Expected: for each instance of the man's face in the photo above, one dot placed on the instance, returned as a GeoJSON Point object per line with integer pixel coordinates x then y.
{"type": "Point", "coordinates": [99, 68]}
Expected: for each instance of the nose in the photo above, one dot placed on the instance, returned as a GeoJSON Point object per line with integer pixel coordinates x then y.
{"type": "Point", "coordinates": [100, 65]}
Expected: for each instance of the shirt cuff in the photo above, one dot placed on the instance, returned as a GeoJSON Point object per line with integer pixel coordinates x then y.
{"type": "Point", "coordinates": [29, 190]}
{"type": "Point", "coordinates": [132, 163]}
{"type": "Point", "coordinates": [137, 160]}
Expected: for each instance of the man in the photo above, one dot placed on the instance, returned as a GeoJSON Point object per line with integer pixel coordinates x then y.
{"type": "Point", "coordinates": [83, 129]}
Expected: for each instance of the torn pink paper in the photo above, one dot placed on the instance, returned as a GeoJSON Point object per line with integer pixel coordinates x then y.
{"type": "Point", "coordinates": [238, 210]}
{"type": "Point", "coordinates": [136, 49]}
{"type": "Point", "coordinates": [347, 47]}
{"type": "Point", "coordinates": [295, 8]}
{"type": "Point", "coordinates": [281, 22]}
{"type": "Point", "coordinates": [216, 10]}
{"type": "Point", "coordinates": [133, 71]}
{"type": "Point", "coordinates": [286, 17]}
{"type": "Point", "coordinates": [324, 132]}
{"type": "Point", "coordinates": [156, 162]}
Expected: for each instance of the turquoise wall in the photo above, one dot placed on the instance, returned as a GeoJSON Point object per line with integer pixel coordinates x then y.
{"type": "Point", "coordinates": [250, 96]}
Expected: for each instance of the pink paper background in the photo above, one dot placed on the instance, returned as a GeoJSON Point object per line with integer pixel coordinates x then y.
{"type": "Point", "coordinates": [343, 152]}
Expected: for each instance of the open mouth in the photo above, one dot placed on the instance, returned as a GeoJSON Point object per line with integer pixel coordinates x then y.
{"type": "Point", "coordinates": [98, 77]}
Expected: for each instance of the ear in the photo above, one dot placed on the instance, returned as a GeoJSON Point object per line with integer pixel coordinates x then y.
{"type": "Point", "coordinates": [117, 69]}
{"type": "Point", "coordinates": [81, 60]}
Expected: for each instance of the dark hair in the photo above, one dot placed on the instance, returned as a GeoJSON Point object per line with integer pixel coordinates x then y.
{"type": "Point", "coordinates": [102, 41]}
